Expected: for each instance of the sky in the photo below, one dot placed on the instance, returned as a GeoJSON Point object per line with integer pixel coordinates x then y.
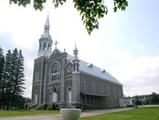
{"type": "Point", "coordinates": [125, 45]}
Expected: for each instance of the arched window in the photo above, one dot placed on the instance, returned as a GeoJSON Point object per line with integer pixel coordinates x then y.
{"type": "Point", "coordinates": [69, 69]}
{"type": "Point", "coordinates": [40, 45]}
{"type": "Point", "coordinates": [49, 46]}
{"type": "Point", "coordinates": [55, 68]}
{"type": "Point", "coordinates": [36, 97]}
{"type": "Point", "coordinates": [55, 72]}
{"type": "Point", "coordinates": [54, 95]}
{"type": "Point", "coordinates": [44, 46]}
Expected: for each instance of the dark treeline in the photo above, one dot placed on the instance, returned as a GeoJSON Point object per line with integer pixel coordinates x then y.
{"type": "Point", "coordinates": [149, 99]}
{"type": "Point", "coordinates": [11, 79]}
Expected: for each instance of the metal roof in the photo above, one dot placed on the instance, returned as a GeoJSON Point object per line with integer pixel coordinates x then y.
{"type": "Point", "coordinates": [95, 71]}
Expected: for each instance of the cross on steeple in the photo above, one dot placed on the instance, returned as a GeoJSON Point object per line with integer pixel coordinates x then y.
{"type": "Point", "coordinates": [56, 44]}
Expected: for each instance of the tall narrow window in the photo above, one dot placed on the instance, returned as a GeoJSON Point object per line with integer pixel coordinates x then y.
{"type": "Point", "coordinates": [77, 66]}
{"type": "Point", "coordinates": [49, 46]}
{"type": "Point", "coordinates": [55, 72]}
{"type": "Point", "coordinates": [40, 45]}
{"type": "Point", "coordinates": [44, 46]}
{"type": "Point", "coordinates": [36, 98]}
{"type": "Point", "coordinates": [37, 76]}
{"type": "Point", "coordinates": [54, 95]}
{"type": "Point", "coordinates": [69, 95]}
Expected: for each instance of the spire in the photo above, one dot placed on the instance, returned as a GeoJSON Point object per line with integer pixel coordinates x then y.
{"type": "Point", "coordinates": [56, 44]}
{"type": "Point", "coordinates": [45, 41]}
{"type": "Point", "coordinates": [75, 60]}
{"type": "Point", "coordinates": [75, 51]}
{"type": "Point", "coordinates": [47, 24]}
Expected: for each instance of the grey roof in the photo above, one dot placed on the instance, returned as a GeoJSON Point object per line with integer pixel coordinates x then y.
{"type": "Point", "coordinates": [95, 71]}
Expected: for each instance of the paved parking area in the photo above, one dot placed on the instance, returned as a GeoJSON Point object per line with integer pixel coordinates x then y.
{"type": "Point", "coordinates": [58, 117]}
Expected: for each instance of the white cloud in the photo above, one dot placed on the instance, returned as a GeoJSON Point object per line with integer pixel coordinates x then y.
{"type": "Point", "coordinates": [139, 75]}
{"type": "Point", "coordinates": [28, 76]}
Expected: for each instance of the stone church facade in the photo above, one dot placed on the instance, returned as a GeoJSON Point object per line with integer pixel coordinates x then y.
{"type": "Point", "coordinates": [67, 81]}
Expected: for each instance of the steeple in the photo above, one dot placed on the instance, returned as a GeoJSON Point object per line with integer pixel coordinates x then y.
{"type": "Point", "coordinates": [47, 25]}
{"type": "Point", "coordinates": [56, 44]}
{"type": "Point", "coordinates": [45, 41]}
{"type": "Point", "coordinates": [75, 60]}
{"type": "Point", "coordinates": [75, 51]}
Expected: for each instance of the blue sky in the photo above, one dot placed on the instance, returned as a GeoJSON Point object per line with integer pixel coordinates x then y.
{"type": "Point", "coordinates": [126, 44]}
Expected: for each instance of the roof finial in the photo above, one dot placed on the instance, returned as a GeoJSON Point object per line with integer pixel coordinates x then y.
{"type": "Point", "coordinates": [75, 51]}
{"type": "Point", "coordinates": [56, 44]}
{"type": "Point", "coordinates": [47, 20]}
{"type": "Point", "coordinates": [75, 46]}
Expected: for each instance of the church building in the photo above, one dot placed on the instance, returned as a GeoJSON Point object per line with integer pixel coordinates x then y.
{"type": "Point", "coordinates": [68, 81]}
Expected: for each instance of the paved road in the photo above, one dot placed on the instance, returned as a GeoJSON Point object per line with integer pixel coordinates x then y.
{"type": "Point", "coordinates": [58, 117]}
{"type": "Point", "coordinates": [143, 106]}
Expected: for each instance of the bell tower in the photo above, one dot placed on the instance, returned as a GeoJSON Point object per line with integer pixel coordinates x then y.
{"type": "Point", "coordinates": [75, 79]}
{"type": "Point", "coordinates": [45, 41]}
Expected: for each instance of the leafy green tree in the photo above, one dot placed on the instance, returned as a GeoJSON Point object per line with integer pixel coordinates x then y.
{"type": "Point", "coordinates": [148, 101]}
{"type": "Point", "coordinates": [90, 10]}
{"type": "Point", "coordinates": [154, 98]}
{"type": "Point", "coordinates": [138, 101]}
{"type": "Point", "coordinates": [20, 102]}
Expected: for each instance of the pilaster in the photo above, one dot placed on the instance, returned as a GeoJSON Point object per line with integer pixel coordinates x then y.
{"type": "Point", "coordinates": [75, 88]}
{"type": "Point", "coordinates": [63, 81]}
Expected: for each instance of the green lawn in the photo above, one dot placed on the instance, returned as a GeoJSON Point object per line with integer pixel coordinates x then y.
{"type": "Point", "coordinates": [134, 114]}
{"type": "Point", "coordinates": [27, 112]}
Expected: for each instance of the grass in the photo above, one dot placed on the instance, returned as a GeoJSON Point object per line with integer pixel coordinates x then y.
{"type": "Point", "coordinates": [134, 114]}
{"type": "Point", "coordinates": [27, 112]}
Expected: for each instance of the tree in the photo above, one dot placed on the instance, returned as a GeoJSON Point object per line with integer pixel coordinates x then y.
{"type": "Point", "coordinates": [12, 79]}
{"type": "Point", "coordinates": [20, 102]}
{"type": "Point", "coordinates": [138, 101]}
{"type": "Point", "coordinates": [1, 62]}
{"type": "Point", "coordinates": [90, 10]}
{"type": "Point", "coordinates": [7, 77]}
{"type": "Point", "coordinates": [1, 72]}
{"type": "Point", "coordinates": [154, 98]}
{"type": "Point", "coordinates": [17, 76]}
{"type": "Point", "coordinates": [20, 74]}
{"type": "Point", "coordinates": [1, 65]}
{"type": "Point", "coordinates": [14, 76]}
